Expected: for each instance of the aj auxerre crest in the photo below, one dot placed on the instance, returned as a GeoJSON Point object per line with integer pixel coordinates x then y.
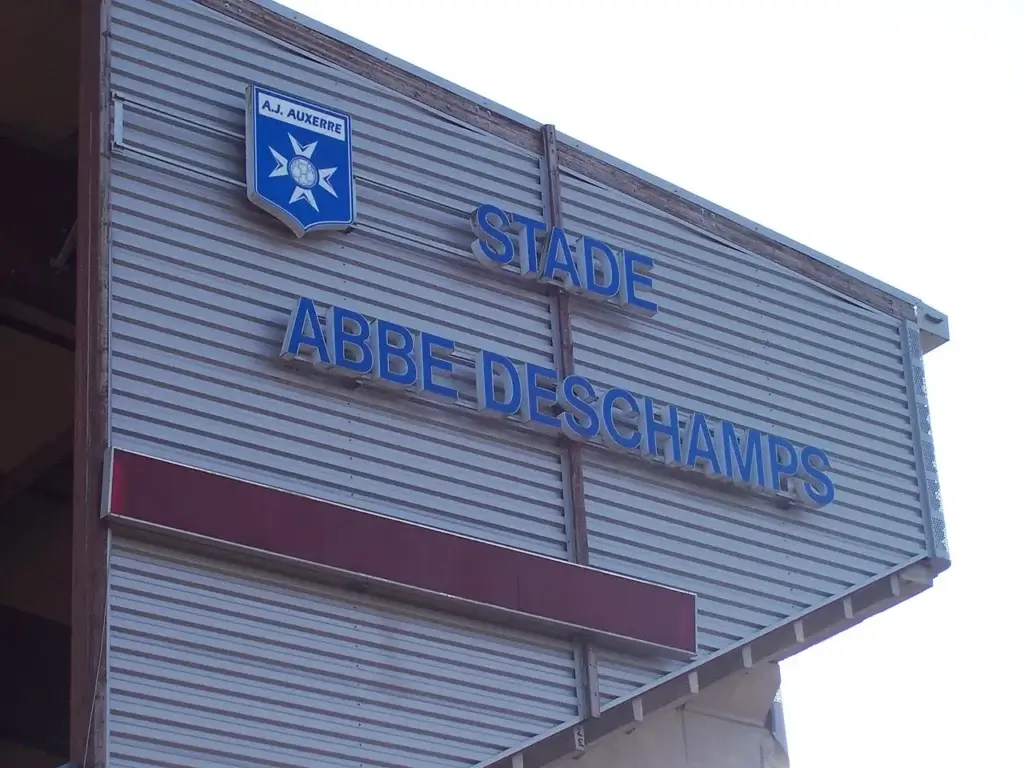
{"type": "Point", "coordinates": [299, 161]}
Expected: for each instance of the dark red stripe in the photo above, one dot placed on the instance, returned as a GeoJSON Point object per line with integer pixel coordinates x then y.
{"type": "Point", "coordinates": [193, 501]}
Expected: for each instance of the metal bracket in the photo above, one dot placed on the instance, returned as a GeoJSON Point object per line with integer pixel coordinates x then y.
{"type": "Point", "coordinates": [60, 261]}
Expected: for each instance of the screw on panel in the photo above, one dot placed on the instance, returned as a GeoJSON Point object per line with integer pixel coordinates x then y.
{"type": "Point", "coordinates": [638, 709]}
{"type": "Point", "coordinates": [894, 585]}
{"type": "Point", "coordinates": [694, 682]}
{"type": "Point", "coordinates": [579, 739]}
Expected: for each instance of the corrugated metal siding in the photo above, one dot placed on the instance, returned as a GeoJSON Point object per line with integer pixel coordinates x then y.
{"type": "Point", "coordinates": [190, 254]}
{"type": "Point", "coordinates": [621, 674]}
{"type": "Point", "coordinates": [737, 337]}
{"type": "Point", "coordinates": [217, 664]}
{"type": "Point", "coordinates": [742, 339]}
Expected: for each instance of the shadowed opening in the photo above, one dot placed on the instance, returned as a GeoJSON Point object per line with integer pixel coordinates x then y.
{"type": "Point", "coordinates": [38, 151]}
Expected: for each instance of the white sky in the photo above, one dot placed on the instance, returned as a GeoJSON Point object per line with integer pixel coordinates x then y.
{"type": "Point", "coordinates": [889, 135]}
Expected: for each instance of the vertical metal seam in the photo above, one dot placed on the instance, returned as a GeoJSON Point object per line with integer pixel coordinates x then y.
{"type": "Point", "coordinates": [914, 406]}
{"type": "Point", "coordinates": [572, 452]}
{"type": "Point", "coordinates": [108, 120]}
{"type": "Point", "coordinates": [562, 336]}
{"type": "Point", "coordinates": [579, 654]}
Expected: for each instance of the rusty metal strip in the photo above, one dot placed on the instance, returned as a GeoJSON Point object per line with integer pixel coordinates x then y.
{"type": "Point", "coordinates": [579, 551]}
{"type": "Point", "coordinates": [471, 113]}
{"type": "Point", "coordinates": [733, 232]}
{"type": "Point", "coordinates": [374, 69]}
{"type": "Point", "coordinates": [566, 360]}
{"type": "Point", "coordinates": [88, 603]}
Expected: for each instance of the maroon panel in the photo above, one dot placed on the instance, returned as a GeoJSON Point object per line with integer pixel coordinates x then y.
{"type": "Point", "coordinates": [193, 501]}
{"type": "Point", "coordinates": [605, 602]}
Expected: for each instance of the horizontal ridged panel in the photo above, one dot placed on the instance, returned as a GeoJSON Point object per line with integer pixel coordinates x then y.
{"type": "Point", "coordinates": [212, 663]}
{"type": "Point", "coordinates": [718, 264]}
{"type": "Point", "coordinates": [622, 674]}
{"type": "Point", "coordinates": [202, 283]}
{"type": "Point", "coordinates": [200, 74]}
{"type": "Point", "coordinates": [739, 338]}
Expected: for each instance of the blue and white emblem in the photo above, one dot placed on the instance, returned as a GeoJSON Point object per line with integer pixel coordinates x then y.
{"type": "Point", "coordinates": [299, 161]}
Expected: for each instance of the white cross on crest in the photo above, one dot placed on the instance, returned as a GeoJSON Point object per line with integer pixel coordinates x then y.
{"type": "Point", "coordinates": [302, 171]}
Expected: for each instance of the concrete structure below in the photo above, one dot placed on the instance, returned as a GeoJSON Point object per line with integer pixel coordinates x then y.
{"type": "Point", "coordinates": [722, 727]}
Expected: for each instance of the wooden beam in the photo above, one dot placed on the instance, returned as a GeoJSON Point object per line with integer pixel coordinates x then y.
{"type": "Point", "coordinates": [37, 331]}
{"type": "Point", "coordinates": [38, 213]}
{"type": "Point", "coordinates": [41, 461]}
{"type": "Point", "coordinates": [87, 728]}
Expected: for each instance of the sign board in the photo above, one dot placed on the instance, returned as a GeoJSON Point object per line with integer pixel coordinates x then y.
{"type": "Point", "coordinates": [299, 161]}
{"type": "Point", "coordinates": [300, 170]}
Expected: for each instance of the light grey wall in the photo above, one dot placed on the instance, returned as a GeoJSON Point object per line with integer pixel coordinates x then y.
{"type": "Point", "coordinates": [217, 664]}
{"type": "Point", "coordinates": [202, 284]}
{"type": "Point", "coordinates": [741, 339]}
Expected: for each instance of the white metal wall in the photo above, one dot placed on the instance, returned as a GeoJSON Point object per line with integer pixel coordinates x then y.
{"type": "Point", "coordinates": [217, 664]}
{"type": "Point", "coordinates": [202, 285]}
{"type": "Point", "coordinates": [739, 338]}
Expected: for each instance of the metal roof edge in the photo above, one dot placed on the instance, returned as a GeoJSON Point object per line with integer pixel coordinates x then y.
{"type": "Point", "coordinates": [738, 219]}
{"type": "Point", "coordinates": [771, 644]}
{"type": "Point", "coordinates": [821, 267]}
{"type": "Point", "coordinates": [387, 58]}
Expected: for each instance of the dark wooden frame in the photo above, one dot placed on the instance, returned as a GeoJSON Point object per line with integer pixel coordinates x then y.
{"type": "Point", "coordinates": [89, 562]}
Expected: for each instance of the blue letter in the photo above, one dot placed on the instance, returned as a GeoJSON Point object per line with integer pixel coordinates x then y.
{"type": "Point", "coordinates": [348, 337]}
{"type": "Point", "coordinates": [636, 271]}
{"type": "Point", "coordinates": [743, 458]}
{"type": "Point", "coordinates": [427, 361]}
{"type": "Point", "coordinates": [559, 259]}
{"type": "Point", "coordinates": [781, 467]}
{"type": "Point", "coordinates": [492, 247]}
{"type": "Point", "coordinates": [609, 430]}
{"type": "Point", "coordinates": [819, 490]}
{"type": "Point", "coordinates": [668, 431]}
{"type": "Point", "coordinates": [575, 405]}
{"type": "Point", "coordinates": [528, 229]}
{"type": "Point", "coordinates": [394, 343]}
{"type": "Point", "coordinates": [300, 344]}
{"type": "Point", "coordinates": [606, 264]}
{"type": "Point", "coordinates": [703, 458]}
{"type": "Point", "coordinates": [534, 393]}
{"type": "Point", "coordinates": [487, 380]}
